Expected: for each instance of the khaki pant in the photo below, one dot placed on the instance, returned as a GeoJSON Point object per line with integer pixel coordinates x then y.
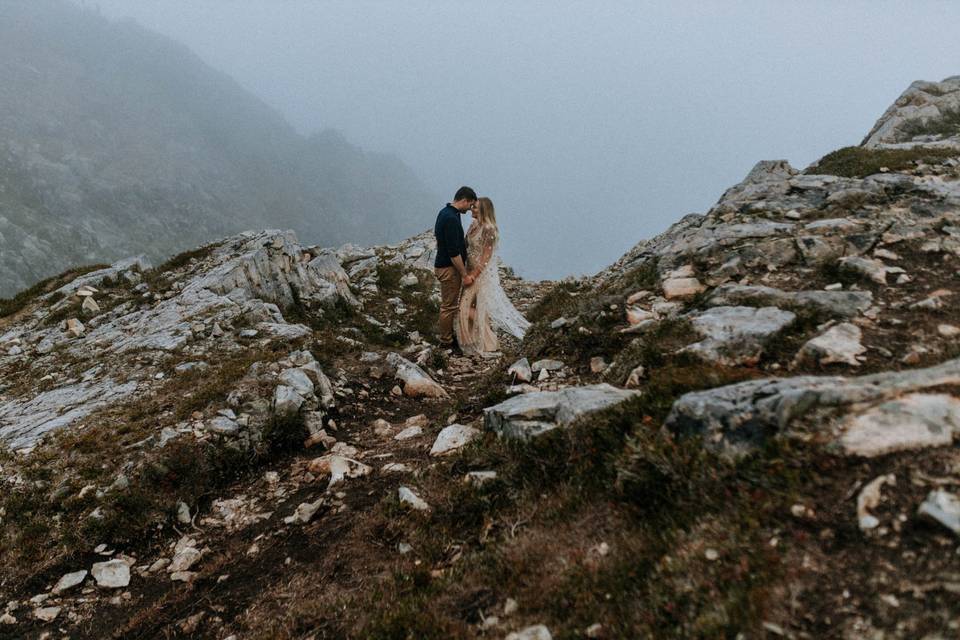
{"type": "Point", "coordinates": [450, 286]}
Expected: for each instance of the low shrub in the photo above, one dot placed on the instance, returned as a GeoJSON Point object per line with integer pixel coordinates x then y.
{"type": "Point", "coordinates": [859, 162]}
{"type": "Point", "coordinates": [10, 306]}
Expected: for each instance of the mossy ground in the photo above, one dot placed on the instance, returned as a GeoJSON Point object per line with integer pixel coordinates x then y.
{"type": "Point", "coordinates": [859, 162]}
{"type": "Point", "coordinates": [10, 306]}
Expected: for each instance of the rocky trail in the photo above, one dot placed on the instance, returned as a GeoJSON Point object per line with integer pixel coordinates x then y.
{"type": "Point", "coordinates": [744, 428]}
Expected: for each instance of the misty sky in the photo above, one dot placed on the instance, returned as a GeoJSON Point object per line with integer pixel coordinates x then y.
{"type": "Point", "coordinates": [591, 125]}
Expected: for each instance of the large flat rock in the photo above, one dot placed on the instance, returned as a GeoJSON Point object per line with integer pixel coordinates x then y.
{"type": "Point", "coordinates": [843, 304]}
{"type": "Point", "coordinates": [532, 414]}
{"type": "Point", "coordinates": [855, 415]}
{"type": "Point", "coordinates": [737, 335]}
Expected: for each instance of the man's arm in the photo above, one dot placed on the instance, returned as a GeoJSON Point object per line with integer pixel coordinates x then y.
{"type": "Point", "coordinates": [452, 241]}
{"type": "Point", "coordinates": [461, 268]}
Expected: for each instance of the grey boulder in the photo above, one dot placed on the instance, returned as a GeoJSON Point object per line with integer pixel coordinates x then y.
{"type": "Point", "coordinates": [532, 414]}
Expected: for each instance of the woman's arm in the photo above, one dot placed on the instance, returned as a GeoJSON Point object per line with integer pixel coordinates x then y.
{"type": "Point", "coordinates": [488, 242]}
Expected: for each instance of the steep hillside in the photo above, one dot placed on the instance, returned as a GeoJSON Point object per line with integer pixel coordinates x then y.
{"type": "Point", "coordinates": [115, 140]}
{"type": "Point", "coordinates": [743, 428]}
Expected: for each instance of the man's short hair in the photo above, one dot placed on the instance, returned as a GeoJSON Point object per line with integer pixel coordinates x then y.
{"type": "Point", "coordinates": [465, 193]}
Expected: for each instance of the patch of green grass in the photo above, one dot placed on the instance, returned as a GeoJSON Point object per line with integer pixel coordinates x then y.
{"type": "Point", "coordinates": [388, 276]}
{"type": "Point", "coordinates": [48, 507]}
{"type": "Point", "coordinates": [9, 306]}
{"type": "Point", "coordinates": [859, 162]}
{"type": "Point", "coordinates": [283, 435]}
{"type": "Point", "coordinates": [600, 315]}
{"type": "Point", "coordinates": [183, 259]}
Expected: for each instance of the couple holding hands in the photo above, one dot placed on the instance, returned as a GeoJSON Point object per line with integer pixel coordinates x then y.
{"type": "Point", "coordinates": [473, 304]}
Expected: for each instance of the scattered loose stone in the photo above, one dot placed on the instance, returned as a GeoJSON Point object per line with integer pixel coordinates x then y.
{"type": "Point", "coordinates": [948, 330]}
{"type": "Point", "coordinates": [90, 305]}
{"type": "Point", "coordinates": [636, 315]}
{"type": "Point", "coordinates": [184, 559]}
{"type": "Point", "coordinates": [304, 512]}
{"type": "Point", "coordinates": [634, 378]}
{"type": "Point", "coordinates": [69, 581]}
{"type": "Point", "coordinates": [546, 365]}
{"type": "Point", "coordinates": [536, 632]}
{"type": "Point", "coordinates": [598, 364]}
{"type": "Point", "coordinates": [416, 382]}
{"type": "Point", "coordinates": [409, 432]}
{"type": "Point", "coordinates": [409, 280]}
{"type": "Point", "coordinates": [183, 576]}
{"type": "Point", "coordinates": [839, 344]}
{"type": "Point", "coordinates": [521, 370]}
{"type": "Point", "coordinates": [943, 508]}
{"type": "Point", "coordinates": [869, 498]}
{"type": "Point", "coordinates": [681, 288]}
{"type": "Point", "coordinates": [223, 426]}
{"type": "Point", "coordinates": [479, 478]}
{"type": "Point", "coordinates": [873, 269]}
{"type": "Point", "coordinates": [452, 439]}
{"type": "Point", "coordinates": [337, 467]}
{"type": "Point", "coordinates": [382, 428]}
{"type": "Point", "coordinates": [48, 614]}
{"type": "Point", "coordinates": [113, 574]}
{"type": "Point", "coordinates": [75, 328]}
{"type": "Point", "coordinates": [408, 497]}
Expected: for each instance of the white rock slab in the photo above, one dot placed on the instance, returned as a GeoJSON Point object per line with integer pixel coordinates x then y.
{"type": "Point", "coordinates": [943, 508]}
{"type": "Point", "coordinates": [286, 401]}
{"type": "Point", "coordinates": [416, 382]}
{"type": "Point", "coordinates": [452, 439]}
{"type": "Point", "coordinates": [298, 380]}
{"type": "Point", "coordinates": [839, 344]}
{"type": "Point", "coordinates": [521, 370]}
{"type": "Point", "coordinates": [113, 574]}
{"type": "Point", "coordinates": [532, 414]}
{"type": "Point", "coordinates": [681, 288]}
{"type": "Point", "coordinates": [536, 632]}
{"type": "Point", "coordinates": [69, 581]}
{"type": "Point", "coordinates": [408, 497]}
{"type": "Point", "coordinates": [915, 421]}
{"type": "Point", "coordinates": [737, 335]}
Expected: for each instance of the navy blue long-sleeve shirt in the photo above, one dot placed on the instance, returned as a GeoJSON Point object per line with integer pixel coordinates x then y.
{"type": "Point", "coordinates": [450, 239]}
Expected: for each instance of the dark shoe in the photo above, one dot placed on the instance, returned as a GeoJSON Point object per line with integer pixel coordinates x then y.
{"type": "Point", "coordinates": [452, 347]}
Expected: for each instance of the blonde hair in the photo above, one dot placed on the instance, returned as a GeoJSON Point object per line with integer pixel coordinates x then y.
{"type": "Point", "coordinates": [486, 215]}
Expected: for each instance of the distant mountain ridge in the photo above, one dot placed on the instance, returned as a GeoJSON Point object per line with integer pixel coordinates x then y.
{"type": "Point", "coordinates": [115, 140]}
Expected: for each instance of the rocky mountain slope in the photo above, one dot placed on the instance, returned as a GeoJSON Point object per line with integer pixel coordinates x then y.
{"type": "Point", "coordinates": [115, 141]}
{"type": "Point", "coordinates": [743, 428]}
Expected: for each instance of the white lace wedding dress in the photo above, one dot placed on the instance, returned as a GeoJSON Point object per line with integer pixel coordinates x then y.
{"type": "Point", "coordinates": [484, 306]}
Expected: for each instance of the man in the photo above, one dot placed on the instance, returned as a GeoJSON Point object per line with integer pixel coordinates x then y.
{"type": "Point", "coordinates": [451, 263]}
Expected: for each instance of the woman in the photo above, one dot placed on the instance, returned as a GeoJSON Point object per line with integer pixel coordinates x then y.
{"type": "Point", "coordinates": [484, 306]}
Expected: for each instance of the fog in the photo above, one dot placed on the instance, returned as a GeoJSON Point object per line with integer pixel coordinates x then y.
{"type": "Point", "coordinates": [590, 125]}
